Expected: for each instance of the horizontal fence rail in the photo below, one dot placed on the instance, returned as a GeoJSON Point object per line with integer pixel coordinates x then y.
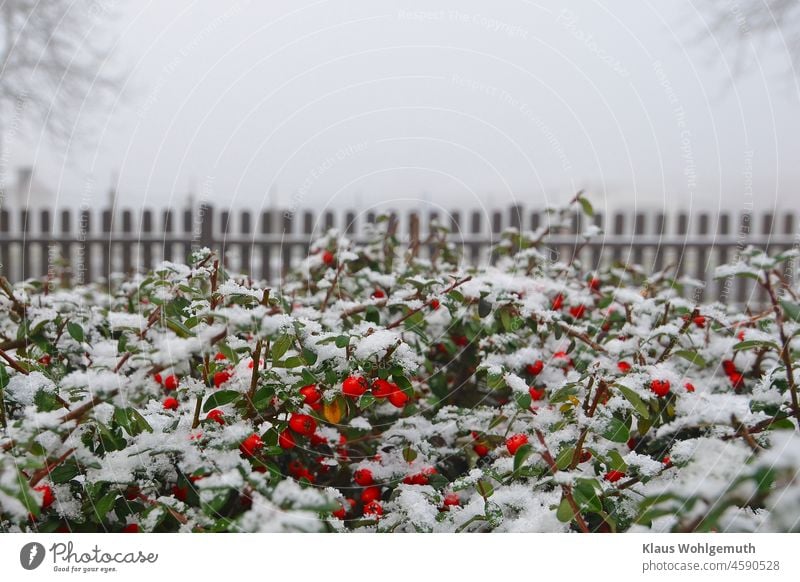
{"type": "Point", "coordinates": [83, 246]}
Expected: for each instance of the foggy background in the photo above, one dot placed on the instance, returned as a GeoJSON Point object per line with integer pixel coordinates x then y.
{"type": "Point", "coordinates": [308, 104]}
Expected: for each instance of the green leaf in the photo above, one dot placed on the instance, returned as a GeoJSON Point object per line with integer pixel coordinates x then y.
{"type": "Point", "coordinates": [632, 397]}
{"type": "Point", "coordinates": [586, 494]}
{"type": "Point", "coordinates": [3, 376]}
{"type": "Point", "coordinates": [616, 431]}
{"type": "Point", "coordinates": [484, 308]}
{"type": "Point", "coordinates": [524, 401]}
{"type": "Point", "coordinates": [505, 319]}
{"type": "Point", "coordinates": [792, 310]}
{"type": "Point", "coordinates": [294, 362]}
{"type": "Point", "coordinates": [64, 472]}
{"type": "Point", "coordinates": [616, 462]}
{"type": "Point", "coordinates": [564, 512]}
{"type": "Point", "coordinates": [75, 331]}
{"type": "Point", "coordinates": [308, 377]}
{"type": "Point", "coordinates": [178, 327]}
{"type": "Point", "coordinates": [131, 421]}
{"type": "Point", "coordinates": [484, 488]}
{"type": "Point", "coordinates": [521, 456]}
{"type": "Point", "coordinates": [564, 458]}
{"type": "Point", "coordinates": [104, 505]}
{"type": "Point", "coordinates": [373, 315]}
{"type": "Point", "coordinates": [280, 347]}
{"type": "Point", "coordinates": [586, 206]}
{"type": "Point", "coordinates": [342, 341]}
{"type": "Point", "coordinates": [746, 345]}
{"type": "Point", "coordinates": [692, 356]}
{"type": "Point", "coordinates": [25, 496]}
{"type": "Point", "coordinates": [220, 399]}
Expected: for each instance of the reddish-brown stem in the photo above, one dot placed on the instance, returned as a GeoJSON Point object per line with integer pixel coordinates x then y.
{"type": "Point", "coordinates": [566, 489]}
{"type": "Point", "coordinates": [452, 286]}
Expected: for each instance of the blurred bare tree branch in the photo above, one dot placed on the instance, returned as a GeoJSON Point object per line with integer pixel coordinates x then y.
{"type": "Point", "coordinates": [53, 61]}
{"type": "Point", "coordinates": [775, 23]}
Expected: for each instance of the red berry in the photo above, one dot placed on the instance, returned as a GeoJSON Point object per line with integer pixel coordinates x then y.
{"type": "Point", "coordinates": [370, 494]}
{"type": "Point", "coordinates": [398, 398]}
{"type": "Point", "coordinates": [131, 528]}
{"type": "Point", "coordinates": [660, 387]}
{"type": "Point", "coordinates": [219, 356]}
{"type": "Point", "coordinates": [354, 386]}
{"type": "Point", "coordinates": [221, 377]}
{"type": "Point", "coordinates": [514, 442]}
{"type": "Point", "coordinates": [180, 493]}
{"type": "Point", "coordinates": [535, 368]}
{"type": "Point", "coordinates": [340, 513]}
{"type": "Point", "coordinates": [536, 393]}
{"type": "Point", "coordinates": [251, 445]}
{"type": "Point", "coordinates": [667, 461]}
{"type": "Point", "coordinates": [585, 456]}
{"type": "Point", "coordinates": [311, 395]}
{"type": "Point", "coordinates": [434, 304]}
{"type": "Point", "coordinates": [171, 382]}
{"type": "Point", "coordinates": [558, 302]}
{"type": "Point", "coordinates": [577, 311]}
{"type": "Point", "coordinates": [171, 404]}
{"type": "Point", "coordinates": [296, 467]}
{"type": "Point", "coordinates": [216, 415]}
{"type": "Point", "coordinates": [303, 424]}
{"type": "Point", "coordinates": [728, 366]}
{"type": "Point", "coordinates": [614, 476]}
{"type": "Point", "coordinates": [740, 336]}
{"type": "Point", "coordinates": [318, 440]}
{"type": "Point", "coordinates": [632, 442]}
{"type": "Point", "coordinates": [159, 379]}
{"type": "Point", "coordinates": [451, 500]}
{"type": "Point", "coordinates": [363, 477]}
{"type": "Point", "coordinates": [327, 258]}
{"type": "Point", "coordinates": [699, 321]}
{"type": "Point", "coordinates": [286, 440]}
{"type": "Point", "coordinates": [736, 379]}
{"type": "Point", "coordinates": [47, 495]}
{"type": "Point", "coordinates": [624, 367]}
{"type": "Point", "coordinates": [382, 388]}
{"type": "Point", "coordinates": [45, 360]}
{"type": "Point", "coordinates": [689, 387]}
{"type": "Point", "coordinates": [416, 479]}
{"type": "Point", "coordinates": [460, 340]}
{"type": "Point", "coordinates": [594, 283]}
{"type": "Point", "coordinates": [373, 508]}
{"type": "Point", "coordinates": [378, 293]}
{"type": "Point", "coordinates": [481, 450]}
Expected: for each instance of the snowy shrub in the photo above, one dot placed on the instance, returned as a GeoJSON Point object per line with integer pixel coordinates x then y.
{"type": "Point", "coordinates": [379, 391]}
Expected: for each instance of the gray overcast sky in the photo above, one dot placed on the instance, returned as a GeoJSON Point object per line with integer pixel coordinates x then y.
{"type": "Point", "coordinates": [458, 102]}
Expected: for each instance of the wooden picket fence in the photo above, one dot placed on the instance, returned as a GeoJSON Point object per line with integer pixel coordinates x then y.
{"type": "Point", "coordinates": [85, 245]}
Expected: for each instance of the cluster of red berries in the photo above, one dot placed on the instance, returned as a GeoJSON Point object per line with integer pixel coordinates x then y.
{"type": "Point", "coordinates": [370, 495]}
{"type": "Point", "coordinates": [421, 478]}
{"type": "Point", "coordinates": [734, 375]}
{"type": "Point", "coordinates": [576, 311]}
{"type": "Point", "coordinates": [170, 383]}
{"type": "Point", "coordinates": [390, 391]}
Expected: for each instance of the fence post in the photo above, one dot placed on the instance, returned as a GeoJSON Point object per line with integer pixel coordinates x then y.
{"type": "Point", "coordinates": [65, 234]}
{"type": "Point", "coordinates": [207, 226]}
{"type": "Point", "coordinates": [5, 248]}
